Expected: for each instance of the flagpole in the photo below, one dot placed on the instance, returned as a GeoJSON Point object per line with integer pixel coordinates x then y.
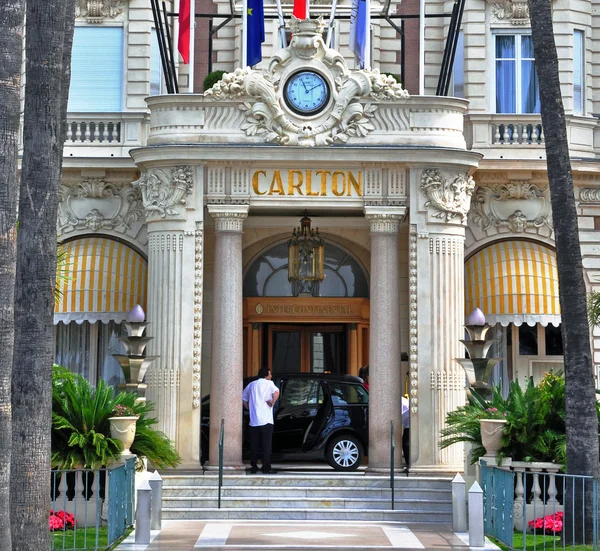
{"type": "Point", "coordinates": [281, 24]}
{"type": "Point", "coordinates": [244, 34]}
{"type": "Point", "coordinates": [192, 42]}
{"type": "Point", "coordinates": [331, 23]}
{"type": "Point", "coordinates": [368, 36]}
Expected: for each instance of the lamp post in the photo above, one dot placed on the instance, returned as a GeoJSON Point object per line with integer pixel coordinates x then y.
{"type": "Point", "coordinates": [306, 259]}
{"type": "Point", "coordinates": [134, 364]}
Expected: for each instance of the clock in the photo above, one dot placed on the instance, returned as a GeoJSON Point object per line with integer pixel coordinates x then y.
{"type": "Point", "coordinates": [306, 93]}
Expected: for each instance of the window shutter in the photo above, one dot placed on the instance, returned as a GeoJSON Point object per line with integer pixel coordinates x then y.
{"type": "Point", "coordinates": [97, 70]}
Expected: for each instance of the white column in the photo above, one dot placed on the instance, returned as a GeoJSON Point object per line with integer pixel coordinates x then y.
{"type": "Point", "coordinates": [226, 377]}
{"type": "Point", "coordinates": [384, 344]}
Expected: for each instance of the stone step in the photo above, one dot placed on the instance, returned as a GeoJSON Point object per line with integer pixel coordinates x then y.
{"type": "Point", "coordinates": [306, 503]}
{"type": "Point", "coordinates": [306, 491]}
{"type": "Point", "coordinates": [400, 515]}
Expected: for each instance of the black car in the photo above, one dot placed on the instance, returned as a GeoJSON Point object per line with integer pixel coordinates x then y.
{"type": "Point", "coordinates": [318, 416]}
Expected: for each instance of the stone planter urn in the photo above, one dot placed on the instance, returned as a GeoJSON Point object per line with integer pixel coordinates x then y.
{"type": "Point", "coordinates": [491, 435]}
{"type": "Point", "coordinates": [123, 429]}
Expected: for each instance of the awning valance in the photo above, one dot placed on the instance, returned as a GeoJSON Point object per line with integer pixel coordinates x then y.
{"type": "Point", "coordinates": [513, 282]}
{"type": "Point", "coordinates": [104, 279]}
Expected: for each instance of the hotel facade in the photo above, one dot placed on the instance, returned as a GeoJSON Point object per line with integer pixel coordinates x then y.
{"type": "Point", "coordinates": [427, 206]}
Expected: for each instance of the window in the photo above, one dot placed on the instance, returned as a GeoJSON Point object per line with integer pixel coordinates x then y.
{"type": "Point", "coordinates": [578, 71]}
{"type": "Point", "coordinates": [97, 69]}
{"type": "Point", "coordinates": [301, 392]}
{"type": "Point", "coordinates": [344, 394]}
{"type": "Point", "coordinates": [516, 80]}
{"type": "Point", "coordinates": [458, 73]}
{"type": "Point", "coordinates": [155, 66]}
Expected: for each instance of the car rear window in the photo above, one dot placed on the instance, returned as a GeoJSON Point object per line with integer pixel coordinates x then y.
{"type": "Point", "coordinates": [301, 392]}
{"type": "Point", "coordinates": [343, 394]}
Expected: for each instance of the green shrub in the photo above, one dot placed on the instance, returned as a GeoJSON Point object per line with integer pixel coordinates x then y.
{"type": "Point", "coordinates": [211, 79]}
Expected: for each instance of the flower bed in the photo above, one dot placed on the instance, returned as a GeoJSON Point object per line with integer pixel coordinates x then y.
{"type": "Point", "coordinates": [59, 520]}
{"type": "Point", "coordinates": [550, 524]}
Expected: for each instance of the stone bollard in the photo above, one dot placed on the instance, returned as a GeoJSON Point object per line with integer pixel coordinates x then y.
{"type": "Point", "coordinates": [142, 513]}
{"type": "Point", "coordinates": [156, 484]}
{"type": "Point", "coordinates": [476, 529]}
{"type": "Point", "coordinates": [459, 504]}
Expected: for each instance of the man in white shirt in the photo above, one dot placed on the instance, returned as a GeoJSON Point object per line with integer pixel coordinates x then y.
{"type": "Point", "coordinates": [259, 397]}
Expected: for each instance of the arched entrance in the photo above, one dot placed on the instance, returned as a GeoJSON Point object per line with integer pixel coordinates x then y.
{"type": "Point", "coordinates": [325, 332]}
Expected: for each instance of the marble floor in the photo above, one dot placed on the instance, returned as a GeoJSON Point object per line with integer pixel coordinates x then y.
{"type": "Point", "coordinates": [235, 535]}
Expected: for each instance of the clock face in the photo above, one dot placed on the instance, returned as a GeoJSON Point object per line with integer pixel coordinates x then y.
{"type": "Point", "coordinates": [306, 93]}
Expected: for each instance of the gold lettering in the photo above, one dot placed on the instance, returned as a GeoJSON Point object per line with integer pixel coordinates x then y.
{"type": "Point", "coordinates": [323, 174]}
{"type": "Point", "coordinates": [309, 190]}
{"type": "Point", "coordinates": [353, 183]}
{"type": "Point", "coordinates": [334, 183]}
{"type": "Point", "coordinates": [292, 185]}
{"type": "Point", "coordinates": [276, 184]}
{"type": "Point", "coordinates": [255, 181]}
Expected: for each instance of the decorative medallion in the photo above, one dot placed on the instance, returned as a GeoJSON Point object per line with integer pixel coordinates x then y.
{"type": "Point", "coordinates": [163, 189]}
{"type": "Point", "coordinates": [447, 198]}
{"type": "Point", "coordinates": [259, 309]}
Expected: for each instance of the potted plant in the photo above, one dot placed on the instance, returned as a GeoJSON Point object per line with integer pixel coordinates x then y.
{"type": "Point", "coordinates": [122, 426]}
{"type": "Point", "coordinates": [492, 423]}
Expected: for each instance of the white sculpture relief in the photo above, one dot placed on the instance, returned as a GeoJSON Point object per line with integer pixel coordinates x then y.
{"type": "Point", "coordinates": [413, 355]}
{"type": "Point", "coordinates": [95, 204]}
{"type": "Point", "coordinates": [448, 198]}
{"type": "Point", "coordinates": [590, 195]}
{"type": "Point", "coordinates": [95, 11]}
{"type": "Point", "coordinates": [517, 12]}
{"type": "Point", "coordinates": [517, 205]}
{"type": "Point", "coordinates": [165, 188]}
{"type": "Point", "coordinates": [344, 117]}
{"type": "Point", "coordinates": [197, 344]}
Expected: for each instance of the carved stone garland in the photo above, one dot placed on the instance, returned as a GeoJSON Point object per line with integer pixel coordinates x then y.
{"type": "Point", "coordinates": [345, 118]}
{"type": "Point", "coordinates": [447, 198]}
{"type": "Point", "coordinates": [163, 189]}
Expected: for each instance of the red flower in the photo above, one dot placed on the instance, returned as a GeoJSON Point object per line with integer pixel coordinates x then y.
{"type": "Point", "coordinates": [550, 524]}
{"type": "Point", "coordinates": [61, 519]}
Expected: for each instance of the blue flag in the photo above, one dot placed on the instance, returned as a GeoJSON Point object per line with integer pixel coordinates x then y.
{"type": "Point", "coordinates": [255, 31]}
{"type": "Point", "coordinates": [358, 30]}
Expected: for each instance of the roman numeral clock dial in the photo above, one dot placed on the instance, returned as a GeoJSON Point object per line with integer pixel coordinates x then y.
{"type": "Point", "coordinates": [306, 93]}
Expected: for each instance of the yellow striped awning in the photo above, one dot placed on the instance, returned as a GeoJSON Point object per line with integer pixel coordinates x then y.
{"type": "Point", "coordinates": [513, 282]}
{"type": "Point", "coordinates": [103, 280]}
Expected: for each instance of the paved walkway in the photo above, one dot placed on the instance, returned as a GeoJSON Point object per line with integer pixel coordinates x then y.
{"type": "Point", "coordinates": [279, 535]}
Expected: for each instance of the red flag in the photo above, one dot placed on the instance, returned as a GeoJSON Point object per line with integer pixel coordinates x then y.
{"type": "Point", "coordinates": [301, 9]}
{"type": "Point", "coordinates": [183, 43]}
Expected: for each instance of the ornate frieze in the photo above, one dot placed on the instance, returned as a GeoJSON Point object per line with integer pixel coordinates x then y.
{"type": "Point", "coordinates": [95, 204]}
{"type": "Point", "coordinates": [517, 205]}
{"type": "Point", "coordinates": [589, 195]}
{"type": "Point", "coordinates": [228, 218]}
{"type": "Point", "coordinates": [448, 199]}
{"type": "Point", "coordinates": [516, 12]}
{"type": "Point", "coordinates": [198, 283]}
{"type": "Point", "coordinates": [163, 189]}
{"type": "Point", "coordinates": [96, 11]}
{"type": "Point", "coordinates": [413, 324]}
{"type": "Point", "coordinates": [345, 116]}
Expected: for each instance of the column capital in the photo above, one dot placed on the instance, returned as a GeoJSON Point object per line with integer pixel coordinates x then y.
{"type": "Point", "coordinates": [385, 219]}
{"type": "Point", "coordinates": [228, 218]}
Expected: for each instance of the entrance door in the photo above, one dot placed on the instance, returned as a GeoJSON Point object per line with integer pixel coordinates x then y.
{"type": "Point", "coordinates": [306, 349]}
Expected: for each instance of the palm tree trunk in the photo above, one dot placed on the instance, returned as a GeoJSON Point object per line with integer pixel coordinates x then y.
{"type": "Point", "coordinates": [49, 37]}
{"type": "Point", "coordinates": [580, 399]}
{"type": "Point", "coordinates": [11, 52]}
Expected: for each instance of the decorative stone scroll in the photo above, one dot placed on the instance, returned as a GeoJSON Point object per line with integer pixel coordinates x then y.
{"type": "Point", "coordinates": [95, 204]}
{"type": "Point", "coordinates": [95, 11]}
{"type": "Point", "coordinates": [260, 93]}
{"type": "Point", "coordinates": [163, 189]}
{"type": "Point", "coordinates": [448, 199]}
{"type": "Point", "coordinates": [589, 195]}
{"type": "Point", "coordinates": [518, 205]}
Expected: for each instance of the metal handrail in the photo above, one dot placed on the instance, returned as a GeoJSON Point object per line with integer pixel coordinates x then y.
{"type": "Point", "coordinates": [392, 449]}
{"type": "Point", "coordinates": [221, 435]}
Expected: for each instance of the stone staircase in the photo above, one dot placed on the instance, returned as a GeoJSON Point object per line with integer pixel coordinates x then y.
{"type": "Point", "coordinates": [307, 496]}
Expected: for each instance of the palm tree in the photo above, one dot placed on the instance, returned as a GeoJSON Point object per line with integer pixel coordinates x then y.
{"type": "Point", "coordinates": [49, 32]}
{"type": "Point", "coordinates": [11, 26]}
{"type": "Point", "coordinates": [580, 399]}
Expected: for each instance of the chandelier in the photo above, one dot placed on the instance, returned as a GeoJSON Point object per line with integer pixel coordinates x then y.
{"type": "Point", "coordinates": [306, 259]}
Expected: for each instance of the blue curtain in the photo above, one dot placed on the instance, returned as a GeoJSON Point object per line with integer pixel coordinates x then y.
{"type": "Point", "coordinates": [530, 97]}
{"type": "Point", "coordinates": [506, 77]}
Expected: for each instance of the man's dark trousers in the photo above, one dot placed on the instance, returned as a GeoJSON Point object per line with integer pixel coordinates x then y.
{"type": "Point", "coordinates": [261, 436]}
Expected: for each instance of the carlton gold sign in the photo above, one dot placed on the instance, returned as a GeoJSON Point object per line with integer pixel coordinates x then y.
{"type": "Point", "coordinates": [307, 183]}
{"type": "Point", "coordinates": [305, 309]}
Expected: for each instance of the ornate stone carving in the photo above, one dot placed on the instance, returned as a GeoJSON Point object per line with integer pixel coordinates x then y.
{"type": "Point", "coordinates": [447, 198]}
{"type": "Point", "coordinates": [589, 195]}
{"type": "Point", "coordinates": [165, 188]}
{"type": "Point", "coordinates": [344, 118]}
{"type": "Point", "coordinates": [197, 344]}
{"type": "Point", "coordinates": [413, 354]}
{"type": "Point", "coordinates": [517, 12]}
{"type": "Point", "coordinates": [228, 218]}
{"type": "Point", "coordinates": [385, 222]}
{"type": "Point", "coordinates": [518, 205]}
{"type": "Point", "coordinates": [96, 204]}
{"type": "Point", "coordinates": [95, 11]}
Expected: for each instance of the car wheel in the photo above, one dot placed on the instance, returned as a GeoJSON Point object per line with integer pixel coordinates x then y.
{"type": "Point", "coordinates": [345, 453]}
